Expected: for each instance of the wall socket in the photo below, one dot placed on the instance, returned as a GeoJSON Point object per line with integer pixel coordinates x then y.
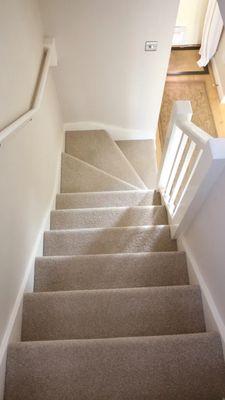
{"type": "Point", "coordinates": [151, 46]}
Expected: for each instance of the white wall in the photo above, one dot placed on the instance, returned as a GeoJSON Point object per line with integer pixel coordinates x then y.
{"type": "Point", "coordinates": [204, 243]}
{"type": "Point", "coordinates": [191, 14]}
{"type": "Point", "coordinates": [29, 159]}
{"type": "Point", "coordinates": [104, 74]}
{"type": "Point", "coordinates": [218, 64]}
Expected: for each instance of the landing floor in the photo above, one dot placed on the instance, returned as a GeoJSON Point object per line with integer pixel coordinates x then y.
{"type": "Point", "coordinates": [209, 113]}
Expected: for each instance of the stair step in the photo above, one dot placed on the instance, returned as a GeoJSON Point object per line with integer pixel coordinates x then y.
{"type": "Point", "coordinates": [98, 149]}
{"type": "Point", "coordinates": [127, 198]}
{"type": "Point", "coordinates": [110, 271]}
{"type": "Point", "coordinates": [108, 217]}
{"type": "Point", "coordinates": [79, 176]}
{"type": "Point", "coordinates": [165, 367]}
{"type": "Point", "coordinates": [108, 240]}
{"type": "Point", "coordinates": [86, 314]}
{"type": "Point", "coordinates": [142, 155]}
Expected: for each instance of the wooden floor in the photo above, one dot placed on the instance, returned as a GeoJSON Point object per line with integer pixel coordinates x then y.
{"type": "Point", "coordinates": [180, 62]}
{"type": "Point", "coordinates": [218, 109]}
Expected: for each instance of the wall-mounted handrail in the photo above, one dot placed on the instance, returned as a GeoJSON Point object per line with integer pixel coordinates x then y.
{"type": "Point", "coordinates": [191, 164]}
{"type": "Point", "coordinates": [49, 59]}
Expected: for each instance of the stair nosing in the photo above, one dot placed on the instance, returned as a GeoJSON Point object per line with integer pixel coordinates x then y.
{"type": "Point", "coordinates": [108, 191]}
{"type": "Point", "coordinates": [213, 334]}
{"type": "Point", "coordinates": [130, 227]}
{"type": "Point", "coordinates": [115, 290]}
{"type": "Point", "coordinates": [141, 207]}
{"type": "Point", "coordinates": [111, 255]}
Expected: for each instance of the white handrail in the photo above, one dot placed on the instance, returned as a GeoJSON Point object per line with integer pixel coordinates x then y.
{"type": "Point", "coordinates": [49, 59]}
{"type": "Point", "coordinates": [196, 134]}
{"type": "Point", "coordinates": [176, 177]}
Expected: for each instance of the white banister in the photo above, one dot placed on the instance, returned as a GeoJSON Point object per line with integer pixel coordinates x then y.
{"type": "Point", "coordinates": [177, 161]}
{"type": "Point", "coordinates": [191, 164]}
{"type": "Point", "coordinates": [49, 60]}
{"type": "Point", "coordinates": [196, 134]}
{"type": "Point", "coordinates": [183, 171]}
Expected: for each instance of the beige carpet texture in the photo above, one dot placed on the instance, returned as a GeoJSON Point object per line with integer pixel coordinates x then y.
{"type": "Point", "coordinates": [110, 271]}
{"type": "Point", "coordinates": [135, 151]}
{"type": "Point", "coordinates": [113, 315]}
{"type": "Point", "coordinates": [103, 313]}
{"type": "Point", "coordinates": [106, 218]}
{"type": "Point", "coordinates": [125, 198]}
{"type": "Point", "coordinates": [98, 149]}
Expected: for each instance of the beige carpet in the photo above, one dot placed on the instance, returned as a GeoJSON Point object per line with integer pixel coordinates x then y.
{"type": "Point", "coordinates": [98, 149]}
{"type": "Point", "coordinates": [194, 91]}
{"type": "Point", "coordinates": [141, 154]}
{"type": "Point", "coordinates": [113, 315]}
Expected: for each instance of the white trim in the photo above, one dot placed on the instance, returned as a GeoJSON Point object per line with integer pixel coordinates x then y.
{"type": "Point", "coordinates": [116, 132]}
{"type": "Point", "coordinates": [218, 82]}
{"type": "Point", "coordinates": [13, 328]}
{"type": "Point", "coordinates": [205, 173]}
{"type": "Point", "coordinates": [49, 60]}
{"type": "Point", "coordinates": [212, 316]}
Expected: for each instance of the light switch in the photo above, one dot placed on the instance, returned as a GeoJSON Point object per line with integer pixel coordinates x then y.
{"type": "Point", "coordinates": [151, 46]}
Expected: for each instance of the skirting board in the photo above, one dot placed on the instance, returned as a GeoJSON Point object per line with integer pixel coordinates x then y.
{"type": "Point", "coordinates": [213, 319]}
{"type": "Point", "coordinates": [13, 328]}
{"type": "Point", "coordinates": [219, 85]}
{"type": "Point", "coordinates": [116, 132]}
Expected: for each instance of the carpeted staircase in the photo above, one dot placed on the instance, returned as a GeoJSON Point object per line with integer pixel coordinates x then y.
{"type": "Point", "coordinates": [112, 316]}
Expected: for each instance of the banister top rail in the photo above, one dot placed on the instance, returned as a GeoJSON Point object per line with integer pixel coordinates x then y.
{"type": "Point", "coordinates": [49, 59]}
{"type": "Point", "coordinates": [196, 134]}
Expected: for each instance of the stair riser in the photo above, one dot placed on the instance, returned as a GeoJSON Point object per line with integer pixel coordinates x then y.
{"type": "Point", "coordinates": [110, 271]}
{"type": "Point", "coordinates": [108, 241]}
{"type": "Point", "coordinates": [108, 217]}
{"type": "Point", "coordinates": [177, 367]}
{"type": "Point", "coordinates": [112, 313]}
{"type": "Point", "coordinates": [107, 199]}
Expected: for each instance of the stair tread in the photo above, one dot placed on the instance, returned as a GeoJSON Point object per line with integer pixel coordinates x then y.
{"type": "Point", "coordinates": [79, 176]}
{"type": "Point", "coordinates": [98, 149]}
{"type": "Point", "coordinates": [131, 369]}
{"type": "Point", "coordinates": [109, 240]}
{"type": "Point", "coordinates": [108, 217]}
{"type": "Point", "coordinates": [141, 154]}
{"type": "Point", "coordinates": [112, 313]}
{"type": "Point", "coordinates": [110, 271]}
